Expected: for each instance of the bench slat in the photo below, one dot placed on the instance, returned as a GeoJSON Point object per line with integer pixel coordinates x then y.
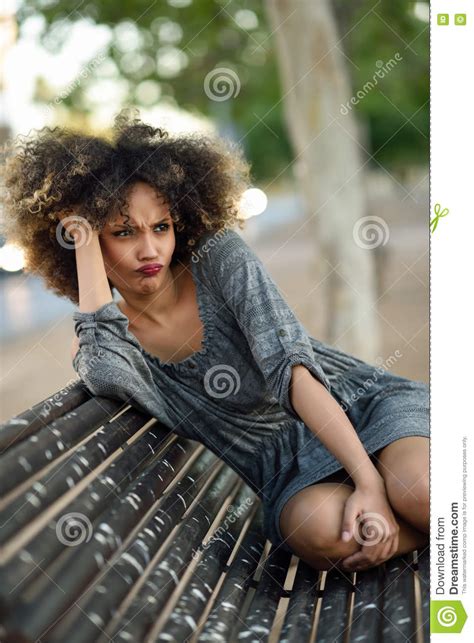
{"type": "Point", "coordinates": [262, 609]}
{"type": "Point", "coordinates": [92, 501]}
{"type": "Point", "coordinates": [399, 600]}
{"type": "Point", "coordinates": [424, 576]}
{"type": "Point", "coordinates": [142, 612]}
{"type": "Point", "coordinates": [299, 617]}
{"type": "Point", "coordinates": [195, 597]}
{"type": "Point", "coordinates": [333, 618]}
{"type": "Point", "coordinates": [367, 614]}
{"type": "Point", "coordinates": [67, 474]}
{"type": "Point", "coordinates": [21, 426]}
{"type": "Point", "coordinates": [38, 451]}
{"type": "Point", "coordinates": [54, 594]}
{"type": "Point", "coordinates": [100, 605]}
{"type": "Point", "coordinates": [225, 612]}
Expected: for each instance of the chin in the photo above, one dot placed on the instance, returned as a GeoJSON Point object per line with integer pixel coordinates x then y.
{"type": "Point", "coordinates": [148, 285]}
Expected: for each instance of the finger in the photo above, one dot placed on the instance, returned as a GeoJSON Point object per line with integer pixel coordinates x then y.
{"type": "Point", "coordinates": [351, 563]}
{"type": "Point", "coordinates": [369, 551]}
{"type": "Point", "coordinates": [387, 550]}
{"type": "Point", "coordinates": [376, 541]}
{"type": "Point", "coordinates": [358, 564]}
{"type": "Point", "coordinates": [374, 528]}
{"type": "Point", "coordinates": [348, 559]}
{"type": "Point", "coordinates": [375, 554]}
{"type": "Point", "coordinates": [348, 521]}
{"type": "Point", "coordinates": [355, 560]}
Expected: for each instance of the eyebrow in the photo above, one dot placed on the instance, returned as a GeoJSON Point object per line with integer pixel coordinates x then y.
{"type": "Point", "coordinates": [125, 225]}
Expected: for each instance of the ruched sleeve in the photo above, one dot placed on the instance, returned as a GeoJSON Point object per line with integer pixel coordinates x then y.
{"type": "Point", "coordinates": [277, 339]}
{"type": "Point", "coordinates": [110, 361]}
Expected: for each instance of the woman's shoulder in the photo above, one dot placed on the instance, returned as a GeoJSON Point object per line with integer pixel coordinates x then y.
{"type": "Point", "coordinates": [221, 251]}
{"type": "Point", "coordinates": [216, 240]}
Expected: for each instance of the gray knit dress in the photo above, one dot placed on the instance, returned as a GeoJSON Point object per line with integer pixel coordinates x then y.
{"type": "Point", "coordinates": [233, 394]}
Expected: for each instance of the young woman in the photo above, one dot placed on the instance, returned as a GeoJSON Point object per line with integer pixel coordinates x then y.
{"type": "Point", "coordinates": [202, 339]}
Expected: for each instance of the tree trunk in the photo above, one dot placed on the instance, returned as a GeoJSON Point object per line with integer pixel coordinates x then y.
{"type": "Point", "coordinates": [315, 84]}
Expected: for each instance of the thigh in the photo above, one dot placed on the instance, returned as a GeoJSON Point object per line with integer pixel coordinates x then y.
{"type": "Point", "coordinates": [342, 476]}
{"type": "Point", "coordinates": [404, 465]}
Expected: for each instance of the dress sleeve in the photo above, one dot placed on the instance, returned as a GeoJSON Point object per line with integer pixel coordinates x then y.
{"type": "Point", "coordinates": [277, 339]}
{"type": "Point", "coordinates": [110, 362]}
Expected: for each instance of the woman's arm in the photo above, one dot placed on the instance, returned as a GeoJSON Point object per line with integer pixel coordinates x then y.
{"type": "Point", "coordinates": [106, 355]}
{"type": "Point", "coordinates": [94, 289]}
{"type": "Point", "coordinates": [320, 411]}
{"type": "Point", "coordinates": [74, 347]}
{"type": "Point", "coordinates": [368, 504]}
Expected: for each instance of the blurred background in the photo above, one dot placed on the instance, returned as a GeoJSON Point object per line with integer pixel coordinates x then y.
{"type": "Point", "coordinates": [329, 101]}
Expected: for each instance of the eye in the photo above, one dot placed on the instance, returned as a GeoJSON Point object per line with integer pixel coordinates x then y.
{"type": "Point", "coordinates": [160, 225]}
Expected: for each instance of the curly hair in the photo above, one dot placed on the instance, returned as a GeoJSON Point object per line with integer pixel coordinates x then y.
{"type": "Point", "coordinates": [61, 171]}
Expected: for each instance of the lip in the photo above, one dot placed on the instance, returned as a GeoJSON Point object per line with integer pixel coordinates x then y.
{"type": "Point", "coordinates": [150, 268]}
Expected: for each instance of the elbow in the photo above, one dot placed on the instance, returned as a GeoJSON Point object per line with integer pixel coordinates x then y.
{"type": "Point", "coordinates": [305, 390]}
{"type": "Point", "coordinates": [91, 368]}
{"type": "Point", "coordinates": [299, 376]}
{"type": "Point", "coordinates": [74, 347]}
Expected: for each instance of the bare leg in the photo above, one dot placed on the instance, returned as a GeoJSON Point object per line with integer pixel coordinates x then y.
{"type": "Point", "coordinates": [404, 465]}
{"type": "Point", "coordinates": [311, 525]}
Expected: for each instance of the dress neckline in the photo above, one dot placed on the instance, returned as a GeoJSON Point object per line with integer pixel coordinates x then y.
{"type": "Point", "coordinates": [204, 312]}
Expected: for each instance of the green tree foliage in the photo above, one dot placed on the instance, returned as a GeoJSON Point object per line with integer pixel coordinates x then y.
{"type": "Point", "coordinates": [166, 50]}
{"type": "Point", "coordinates": [397, 110]}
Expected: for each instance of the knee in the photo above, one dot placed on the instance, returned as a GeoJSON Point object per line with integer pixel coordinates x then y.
{"type": "Point", "coordinates": [325, 538]}
{"type": "Point", "coordinates": [411, 499]}
{"type": "Point", "coordinates": [419, 494]}
{"type": "Point", "coordinates": [404, 465]}
{"type": "Point", "coordinates": [313, 529]}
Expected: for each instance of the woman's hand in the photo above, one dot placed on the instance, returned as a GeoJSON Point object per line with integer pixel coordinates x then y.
{"type": "Point", "coordinates": [368, 517]}
{"type": "Point", "coordinates": [78, 230]}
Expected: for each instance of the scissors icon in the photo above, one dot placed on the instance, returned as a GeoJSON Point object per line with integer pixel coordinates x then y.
{"type": "Point", "coordinates": [438, 214]}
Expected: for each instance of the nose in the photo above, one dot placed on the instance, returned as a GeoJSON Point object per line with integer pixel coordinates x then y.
{"type": "Point", "coordinates": [147, 247]}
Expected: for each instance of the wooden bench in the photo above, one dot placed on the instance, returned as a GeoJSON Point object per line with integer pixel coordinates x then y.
{"type": "Point", "coordinates": [115, 529]}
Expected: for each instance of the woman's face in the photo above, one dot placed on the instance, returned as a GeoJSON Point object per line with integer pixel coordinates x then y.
{"type": "Point", "coordinates": [150, 240]}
